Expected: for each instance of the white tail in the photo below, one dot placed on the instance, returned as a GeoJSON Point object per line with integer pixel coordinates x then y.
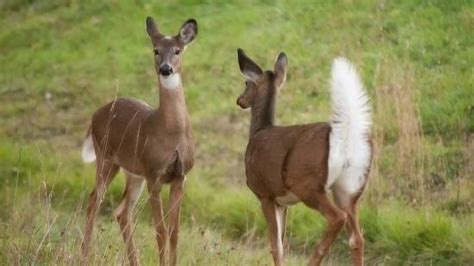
{"type": "Point", "coordinates": [88, 152]}
{"type": "Point", "coordinates": [350, 151]}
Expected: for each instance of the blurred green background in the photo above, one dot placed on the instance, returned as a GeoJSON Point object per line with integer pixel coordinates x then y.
{"type": "Point", "coordinates": [61, 60]}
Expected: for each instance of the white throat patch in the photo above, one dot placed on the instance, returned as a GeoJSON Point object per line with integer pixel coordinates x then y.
{"type": "Point", "coordinates": [170, 82]}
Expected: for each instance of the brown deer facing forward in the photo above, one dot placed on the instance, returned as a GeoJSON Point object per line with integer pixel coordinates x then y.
{"type": "Point", "coordinates": [149, 144]}
{"type": "Point", "coordinates": [286, 165]}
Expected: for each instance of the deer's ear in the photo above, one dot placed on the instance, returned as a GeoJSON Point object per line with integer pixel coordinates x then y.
{"type": "Point", "coordinates": [248, 67]}
{"type": "Point", "coordinates": [280, 70]}
{"type": "Point", "coordinates": [151, 28]}
{"type": "Point", "coordinates": [188, 31]}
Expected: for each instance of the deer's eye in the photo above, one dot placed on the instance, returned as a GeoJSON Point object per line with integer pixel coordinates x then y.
{"type": "Point", "coordinates": [156, 52]}
{"type": "Point", "coordinates": [246, 83]}
{"type": "Point", "coordinates": [177, 51]}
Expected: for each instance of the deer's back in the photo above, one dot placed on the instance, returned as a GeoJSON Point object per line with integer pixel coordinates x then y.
{"type": "Point", "coordinates": [279, 158]}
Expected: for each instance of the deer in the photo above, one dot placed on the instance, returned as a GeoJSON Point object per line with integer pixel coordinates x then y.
{"type": "Point", "coordinates": [151, 145]}
{"type": "Point", "coordinates": [285, 165]}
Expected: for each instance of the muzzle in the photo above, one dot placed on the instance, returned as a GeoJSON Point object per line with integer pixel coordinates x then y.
{"type": "Point", "coordinates": [166, 70]}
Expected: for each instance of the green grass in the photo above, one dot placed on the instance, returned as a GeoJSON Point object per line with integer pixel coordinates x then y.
{"type": "Point", "coordinates": [61, 60]}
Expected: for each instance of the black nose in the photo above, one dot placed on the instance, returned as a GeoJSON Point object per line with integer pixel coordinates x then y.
{"type": "Point", "coordinates": [166, 70]}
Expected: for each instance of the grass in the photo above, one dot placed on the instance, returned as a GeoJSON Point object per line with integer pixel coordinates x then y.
{"type": "Point", "coordinates": [60, 60]}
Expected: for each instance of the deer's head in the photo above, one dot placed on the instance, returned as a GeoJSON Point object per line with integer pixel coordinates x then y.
{"type": "Point", "coordinates": [169, 50]}
{"type": "Point", "coordinates": [258, 83]}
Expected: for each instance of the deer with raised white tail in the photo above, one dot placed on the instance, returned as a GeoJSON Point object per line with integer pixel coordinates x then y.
{"type": "Point", "coordinates": [148, 144]}
{"type": "Point", "coordinates": [302, 163]}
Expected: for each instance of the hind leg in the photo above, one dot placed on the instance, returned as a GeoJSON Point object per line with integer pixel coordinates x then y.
{"type": "Point", "coordinates": [105, 172]}
{"type": "Point", "coordinates": [123, 214]}
{"type": "Point", "coordinates": [356, 241]}
{"type": "Point", "coordinates": [347, 200]}
{"type": "Point", "coordinates": [317, 199]}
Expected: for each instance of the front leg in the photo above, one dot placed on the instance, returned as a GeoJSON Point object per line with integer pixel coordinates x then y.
{"type": "Point", "coordinates": [154, 189]}
{"type": "Point", "coordinates": [274, 222]}
{"type": "Point", "coordinates": [176, 197]}
{"type": "Point", "coordinates": [283, 212]}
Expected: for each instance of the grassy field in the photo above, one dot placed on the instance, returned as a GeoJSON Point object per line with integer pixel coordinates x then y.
{"type": "Point", "coordinates": [60, 60]}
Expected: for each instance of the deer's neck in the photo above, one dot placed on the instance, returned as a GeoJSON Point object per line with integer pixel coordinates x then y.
{"type": "Point", "coordinates": [263, 112]}
{"type": "Point", "coordinates": [172, 113]}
